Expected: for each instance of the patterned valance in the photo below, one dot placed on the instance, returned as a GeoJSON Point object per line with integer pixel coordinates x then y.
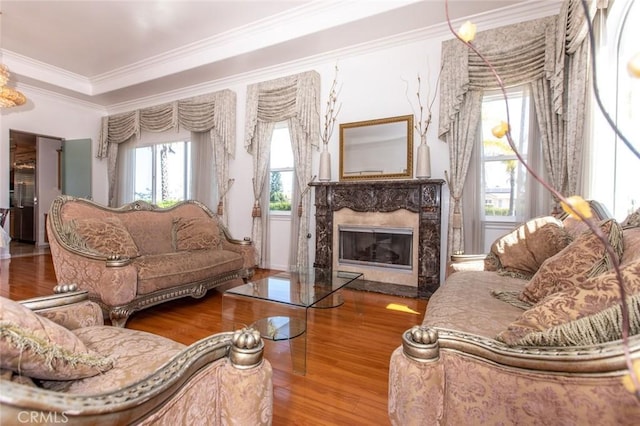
{"type": "Point", "coordinates": [521, 53]}
{"type": "Point", "coordinates": [283, 98]}
{"type": "Point", "coordinates": [215, 112]}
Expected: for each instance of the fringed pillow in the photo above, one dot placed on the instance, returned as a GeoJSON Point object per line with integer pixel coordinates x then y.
{"type": "Point", "coordinates": [196, 233]}
{"type": "Point", "coordinates": [41, 349]}
{"type": "Point", "coordinates": [107, 236]}
{"type": "Point", "coordinates": [588, 299]}
{"type": "Point", "coordinates": [521, 252]}
{"type": "Point", "coordinates": [583, 258]}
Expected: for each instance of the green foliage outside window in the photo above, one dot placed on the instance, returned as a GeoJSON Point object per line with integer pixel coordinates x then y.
{"type": "Point", "coordinates": [277, 198]}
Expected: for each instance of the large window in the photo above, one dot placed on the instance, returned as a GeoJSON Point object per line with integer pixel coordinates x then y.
{"type": "Point", "coordinates": [281, 171]}
{"type": "Point", "coordinates": [503, 177]}
{"type": "Point", "coordinates": [614, 169]}
{"type": "Point", "coordinates": [162, 173]}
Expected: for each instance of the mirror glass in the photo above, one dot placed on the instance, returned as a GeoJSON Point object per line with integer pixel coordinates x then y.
{"type": "Point", "coordinates": [377, 149]}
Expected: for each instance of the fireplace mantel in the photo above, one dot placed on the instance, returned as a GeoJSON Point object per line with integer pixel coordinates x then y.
{"type": "Point", "coordinates": [420, 196]}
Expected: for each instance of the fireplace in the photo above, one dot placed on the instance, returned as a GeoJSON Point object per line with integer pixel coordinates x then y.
{"type": "Point", "coordinates": [375, 246]}
{"type": "Point", "coordinates": [411, 207]}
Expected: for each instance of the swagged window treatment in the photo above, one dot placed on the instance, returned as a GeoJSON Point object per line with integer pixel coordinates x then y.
{"type": "Point", "coordinates": [213, 114]}
{"type": "Point", "coordinates": [550, 54]}
{"type": "Point", "coordinates": [294, 99]}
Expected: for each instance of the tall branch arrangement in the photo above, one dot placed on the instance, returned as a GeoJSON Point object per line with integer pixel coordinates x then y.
{"type": "Point", "coordinates": [575, 205]}
{"type": "Point", "coordinates": [331, 111]}
{"type": "Point", "coordinates": [422, 123]}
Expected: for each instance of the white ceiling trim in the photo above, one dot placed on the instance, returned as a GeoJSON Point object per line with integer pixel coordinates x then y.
{"type": "Point", "coordinates": [484, 21]}
{"type": "Point", "coordinates": [300, 21]}
{"type": "Point", "coordinates": [23, 65]}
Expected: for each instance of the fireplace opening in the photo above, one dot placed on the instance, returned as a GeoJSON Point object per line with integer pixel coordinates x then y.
{"type": "Point", "coordinates": [375, 246]}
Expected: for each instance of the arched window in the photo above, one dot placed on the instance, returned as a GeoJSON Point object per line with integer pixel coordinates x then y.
{"type": "Point", "coordinates": [613, 177]}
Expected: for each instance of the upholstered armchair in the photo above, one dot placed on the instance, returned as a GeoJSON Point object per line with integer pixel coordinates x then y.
{"type": "Point", "coordinates": [60, 364]}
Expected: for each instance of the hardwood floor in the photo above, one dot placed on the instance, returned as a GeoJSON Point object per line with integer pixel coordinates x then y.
{"type": "Point", "coordinates": [348, 350]}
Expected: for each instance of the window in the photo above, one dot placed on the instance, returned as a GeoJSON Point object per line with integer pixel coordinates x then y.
{"type": "Point", "coordinates": [281, 171]}
{"type": "Point", "coordinates": [503, 176]}
{"type": "Point", "coordinates": [162, 173]}
{"type": "Point", "coordinates": [613, 167]}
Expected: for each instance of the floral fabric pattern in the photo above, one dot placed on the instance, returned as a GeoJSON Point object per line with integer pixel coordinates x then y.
{"type": "Point", "coordinates": [588, 298]}
{"type": "Point", "coordinates": [77, 315]}
{"type": "Point", "coordinates": [39, 348]}
{"type": "Point", "coordinates": [107, 236]}
{"type": "Point", "coordinates": [522, 251]}
{"type": "Point", "coordinates": [195, 233]}
{"type": "Point", "coordinates": [569, 268]}
{"type": "Point", "coordinates": [135, 354]}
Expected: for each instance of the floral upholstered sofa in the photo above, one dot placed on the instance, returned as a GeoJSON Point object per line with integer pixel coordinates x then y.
{"type": "Point", "coordinates": [532, 336]}
{"type": "Point", "coordinates": [140, 255]}
{"type": "Point", "coordinates": [60, 365]}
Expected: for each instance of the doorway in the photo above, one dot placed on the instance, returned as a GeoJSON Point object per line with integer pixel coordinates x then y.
{"type": "Point", "coordinates": [34, 181]}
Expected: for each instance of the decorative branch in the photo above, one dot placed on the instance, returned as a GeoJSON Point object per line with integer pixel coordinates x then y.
{"type": "Point", "coordinates": [331, 112]}
{"type": "Point", "coordinates": [575, 205]}
{"type": "Point", "coordinates": [422, 124]}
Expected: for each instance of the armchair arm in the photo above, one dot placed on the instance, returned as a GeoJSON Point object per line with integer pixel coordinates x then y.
{"type": "Point", "coordinates": [424, 344]}
{"type": "Point", "coordinates": [246, 249]}
{"type": "Point", "coordinates": [110, 280]}
{"type": "Point", "coordinates": [236, 388]}
{"type": "Point", "coordinates": [71, 309]}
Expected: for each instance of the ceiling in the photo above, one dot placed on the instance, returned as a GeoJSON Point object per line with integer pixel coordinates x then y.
{"type": "Point", "coordinates": [114, 51]}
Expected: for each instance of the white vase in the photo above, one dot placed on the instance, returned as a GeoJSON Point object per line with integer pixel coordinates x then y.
{"type": "Point", "coordinates": [423, 162]}
{"type": "Point", "coordinates": [324, 174]}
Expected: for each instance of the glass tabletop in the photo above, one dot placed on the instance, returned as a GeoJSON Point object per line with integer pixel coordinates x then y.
{"type": "Point", "coordinates": [304, 289]}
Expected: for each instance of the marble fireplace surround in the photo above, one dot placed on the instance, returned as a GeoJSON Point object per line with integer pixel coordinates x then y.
{"type": "Point", "coordinates": [421, 196]}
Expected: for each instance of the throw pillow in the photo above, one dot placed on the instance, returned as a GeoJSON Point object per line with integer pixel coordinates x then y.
{"type": "Point", "coordinates": [631, 221]}
{"type": "Point", "coordinates": [601, 327]}
{"type": "Point", "coordinates": [631, 238]}
{"type": "Point", "coordinates": [196, 233]}
{"type": "Point", "coordinates": [521, 252]}
{"type": "Point", "coordinates": [106, 236]}
{"type": "Point", "coordinates": [585, 299]}
{"type": "Point", "coordinates": [573, 265]}
{"type": "Point", "coordinates": [39, 348]}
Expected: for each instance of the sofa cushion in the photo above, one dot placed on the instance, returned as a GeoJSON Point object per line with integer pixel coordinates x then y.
{"type": "Point", "coordinates": [574, 264]}
{"type": "Point", "coordinates": [39, 348]}
{"type": "Point", "coordinates": [585, 299]}
{"type": "Point", "coordinates": [151, 230]}
{"type": "Point", "coordinates": [156, 272]}
{"type": "Point", "coordinates": [464, 302]}
{"type": "Point", "coordinates": [136, 355]}
{"type": "Point", "coordinates": [106, 236]}
{"type": "Point", "coordinates": [521, 252]}
{"type": "Point", "coordinates": [196, 233]}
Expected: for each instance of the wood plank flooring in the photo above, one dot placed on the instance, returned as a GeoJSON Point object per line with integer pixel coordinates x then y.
{"type": "Point", "coordinates": [348, 350]}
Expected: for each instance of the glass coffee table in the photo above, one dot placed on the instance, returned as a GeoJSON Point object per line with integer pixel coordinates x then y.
{"type": "Point", "coordinates": [277, 306]}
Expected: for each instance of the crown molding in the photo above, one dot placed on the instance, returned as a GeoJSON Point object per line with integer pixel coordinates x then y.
{"type": "Point", "coordinates": [23, 65]}
{"type": "Point", "coordinates": [309, 18]}
{"type": "Point", "coordinates": [300, 21]}
{"type": "Point", "coordinates": [29, 90]}
{"type": "Point", "coordinates": [505, 16]}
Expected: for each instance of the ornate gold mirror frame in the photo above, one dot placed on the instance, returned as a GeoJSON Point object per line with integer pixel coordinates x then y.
{"type": "Point", "coordinates": [377, 149]}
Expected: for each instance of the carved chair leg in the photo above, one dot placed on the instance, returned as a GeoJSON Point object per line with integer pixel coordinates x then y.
{"type": "Point", "coordinates": [118, 319]}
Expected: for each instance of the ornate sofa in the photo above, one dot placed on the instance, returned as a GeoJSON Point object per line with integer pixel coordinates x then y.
{"type": "Point", "coordinates": [140, 255]}
{"type": "Point", "coordinates": [533, 341]}
{"type": "Point", "coordinates": [60, 364]}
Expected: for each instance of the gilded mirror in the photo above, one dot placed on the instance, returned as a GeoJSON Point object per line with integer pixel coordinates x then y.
{"type": "Point", "coordinates": [377, 149]}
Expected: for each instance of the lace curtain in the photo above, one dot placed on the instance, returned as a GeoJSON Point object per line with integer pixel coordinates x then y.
{"type": "Point", "coordinates": [296, 99]}
{"type": "Point", "coordinates": [214, 114]}
{"type": "Point", "coordinates": [528, 52]}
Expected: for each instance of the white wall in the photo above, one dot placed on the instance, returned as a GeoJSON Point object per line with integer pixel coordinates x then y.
{"type": "Point", "coordinates": [50, 115]}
